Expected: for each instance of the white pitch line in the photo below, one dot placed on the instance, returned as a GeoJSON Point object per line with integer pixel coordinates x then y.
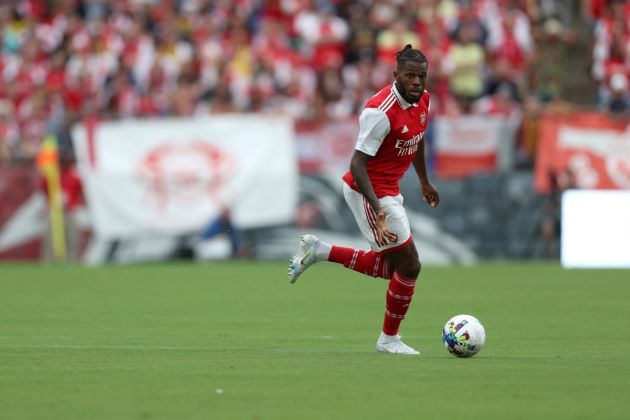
{"type": "Point", "coordinates": [89, 347]}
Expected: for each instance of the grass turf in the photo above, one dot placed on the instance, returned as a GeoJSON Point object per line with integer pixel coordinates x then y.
{"type": "Point", "coordinates": [235, 340]}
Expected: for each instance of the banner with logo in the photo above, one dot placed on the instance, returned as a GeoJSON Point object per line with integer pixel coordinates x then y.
{"type": "Point", "coordinates": [466, 145]}
{"type": "Point", "coordinates": [173, 176]}
{"type": "Point", "coordinates": [595, 148]}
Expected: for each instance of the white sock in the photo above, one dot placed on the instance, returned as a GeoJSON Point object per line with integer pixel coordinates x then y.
{"type": "Point", "coordinates": [322, 251]}
{"type": "Point", "coordinates": [384, 337]}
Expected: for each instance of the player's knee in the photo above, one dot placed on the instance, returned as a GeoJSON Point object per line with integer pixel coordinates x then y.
{"type": "Point", "coordinates": [411, 268]}
{"type": "Point", "coordinates": [416, 266]}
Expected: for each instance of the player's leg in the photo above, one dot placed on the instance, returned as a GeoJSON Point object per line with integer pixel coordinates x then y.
{"type": "Point", "coordinates": [406, 267]}
{"type": "Point", "coordinates": [405, 260]}
{"type": "Point", "coordinates": [312, 249]}
{"type": "Point", "coordinates": [369, 262]}
{"type": "Point", "coordinates": [404, 264]}
{"type": "Point", "coordinates": [400, 259]}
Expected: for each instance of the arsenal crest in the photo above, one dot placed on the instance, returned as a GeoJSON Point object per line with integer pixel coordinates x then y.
{"type": "Point", "coordinates": [423, 118]}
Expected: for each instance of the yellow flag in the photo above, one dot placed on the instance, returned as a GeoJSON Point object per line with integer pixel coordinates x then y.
{"type": "Point", "coordinates": [48, 164]}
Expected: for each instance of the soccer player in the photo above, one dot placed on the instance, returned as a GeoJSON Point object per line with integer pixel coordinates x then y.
{"type": "Point", "coordinates": [391, 129]}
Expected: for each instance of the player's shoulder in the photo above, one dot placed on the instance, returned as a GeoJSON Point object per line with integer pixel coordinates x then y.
{"type": "Point", "coordinates": [382, 100]}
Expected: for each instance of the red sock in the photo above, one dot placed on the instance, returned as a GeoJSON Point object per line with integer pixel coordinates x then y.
{"type": "Point", "coordinates": [365, 262]}
{"type": "Point", "coordinates": [397, 300]}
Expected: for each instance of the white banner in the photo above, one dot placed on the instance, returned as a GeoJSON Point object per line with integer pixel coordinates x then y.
{"type": "Point", "coordinates": [467, 145]}
{"type": "Point", "coordinates": [173, 176]}
{"type": "Point", "coordinates": [595, 229]}
{"type": "Point", "coordinates": [468, 136]}
{"type": "Point", "coordinates": [326, 148]}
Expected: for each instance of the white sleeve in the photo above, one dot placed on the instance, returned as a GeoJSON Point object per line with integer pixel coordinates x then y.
{"type": "Point", "coordinates": [373, 127]}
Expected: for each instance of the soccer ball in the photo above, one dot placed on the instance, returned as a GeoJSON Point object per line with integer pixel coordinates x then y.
{"type": "Point", "coordinates": [463, 336]}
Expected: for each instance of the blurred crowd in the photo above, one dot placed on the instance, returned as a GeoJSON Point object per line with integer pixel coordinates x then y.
{"type": "Point", "coordinates": [611, 54]}
{"type": "Point", "coordinates": [63, 60]}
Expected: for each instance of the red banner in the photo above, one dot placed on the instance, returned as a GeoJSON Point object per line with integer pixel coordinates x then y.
{"type": "Point", "coordinates": [595, 148]}
{"type": "Point", "coordinates": [17, 184]}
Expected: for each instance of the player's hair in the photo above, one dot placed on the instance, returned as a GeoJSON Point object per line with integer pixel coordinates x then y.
{"type": "Point", "coordinates": [410, 54]}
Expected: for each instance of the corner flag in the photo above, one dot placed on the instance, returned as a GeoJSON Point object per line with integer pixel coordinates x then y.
{"type": "Point", "coordinates": [48, 164]}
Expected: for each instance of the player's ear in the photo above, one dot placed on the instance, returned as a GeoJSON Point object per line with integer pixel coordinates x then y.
{"type": "Point", "coordinates": [395, 74]}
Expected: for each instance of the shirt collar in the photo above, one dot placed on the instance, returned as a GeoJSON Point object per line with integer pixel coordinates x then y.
{"type": "Point", "coordinates": [402, 101]}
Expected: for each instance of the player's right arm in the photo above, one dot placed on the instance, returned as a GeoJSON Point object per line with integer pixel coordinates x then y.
{"type": "Point", "coordinates": [373, 127]}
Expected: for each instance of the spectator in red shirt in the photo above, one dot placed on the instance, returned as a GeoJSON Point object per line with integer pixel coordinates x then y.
{"type": "Point", "coordinates": [325, 34]}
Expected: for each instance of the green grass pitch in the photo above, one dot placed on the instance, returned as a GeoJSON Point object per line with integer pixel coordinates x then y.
{"type": "Point", "coordinates": [237, 341]}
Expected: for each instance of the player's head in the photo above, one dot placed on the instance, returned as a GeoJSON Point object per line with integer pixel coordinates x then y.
{"type": "Point", "coordinates": [411, 73]}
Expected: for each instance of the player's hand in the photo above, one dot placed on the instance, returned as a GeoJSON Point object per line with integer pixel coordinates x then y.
{"type": "Point", "coordinates": [383, 235]}
{"type": "Point", "coordinates": [430, 194]}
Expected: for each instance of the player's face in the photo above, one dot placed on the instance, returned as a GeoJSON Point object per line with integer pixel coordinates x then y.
{"type": "Point", "coordinates": [411, 78]}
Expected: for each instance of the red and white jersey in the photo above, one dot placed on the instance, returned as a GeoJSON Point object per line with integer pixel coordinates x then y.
{"type": "Point", "coordinates": [390, 129]}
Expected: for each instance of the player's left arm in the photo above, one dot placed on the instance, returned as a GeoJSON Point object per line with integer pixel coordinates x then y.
{"type": "Point", "coordinates": [430, 194]}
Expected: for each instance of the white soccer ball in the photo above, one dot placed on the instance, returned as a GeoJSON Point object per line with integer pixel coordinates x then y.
{"type": "Point", "coordinates": [463, 336]}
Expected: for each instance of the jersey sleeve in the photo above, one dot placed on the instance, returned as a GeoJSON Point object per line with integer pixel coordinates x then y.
{"type": "Point", "coordinates": [373, 127]}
